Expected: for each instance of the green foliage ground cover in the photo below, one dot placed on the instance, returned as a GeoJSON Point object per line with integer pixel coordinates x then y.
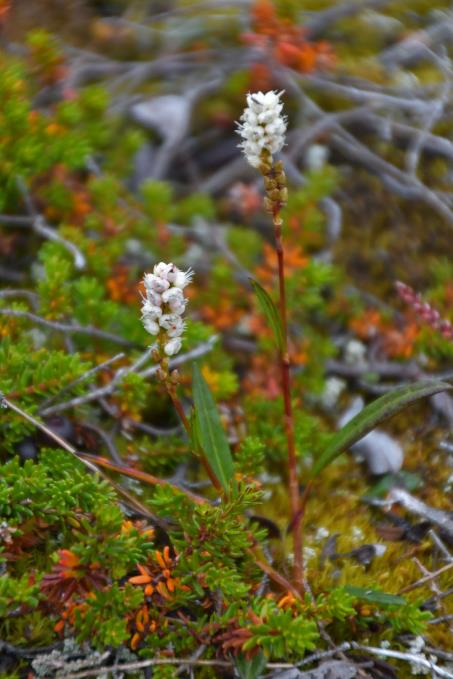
{"type": "Point", "coordinates": [81, 565]}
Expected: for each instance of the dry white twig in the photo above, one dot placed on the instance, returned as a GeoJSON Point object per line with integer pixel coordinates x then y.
{"type": "Point", "coordinates": [40, 226]}
{"type": "Point", "coordinates": [70, 329]}
{"type": "Point", "coordinates": [407, 657]}
{"type": "Point", "coordinates": [419, 508]}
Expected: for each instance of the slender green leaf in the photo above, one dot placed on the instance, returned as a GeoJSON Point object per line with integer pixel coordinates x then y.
{"type": "Point", "coordinates": [209, 431]}
{"type": "Point", "coordinates": [270, 311]}
{"type": "Point", "coordinates": [374, 413]}
{"type": "Point", "coordinates": [375, 596]}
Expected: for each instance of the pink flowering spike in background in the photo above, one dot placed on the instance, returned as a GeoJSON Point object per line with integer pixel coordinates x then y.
{"type": "Point", "coordinates": [425, 312]}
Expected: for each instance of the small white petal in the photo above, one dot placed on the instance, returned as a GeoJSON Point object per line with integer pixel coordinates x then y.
{"type": "Point", "coordinates": [255, 161]}
{"type": "Point", "coordinates": [173, 295]}
{"type": "Point", "coordinates": [173, 346]}
{"type": "Point", "coordinates": [259, 98]}
{"type": "Point", "coordinates": [155, 283]}
{"type": "Point", "coordinates": [173, 324]}
{"type": "Point", "coordinates": [178, 308]}
{"type": "Point", "coordinates": [150, 311]}
{"type": "Point", "coordinates": [162, 270]}
{"type": "Point", "coordinates": [151, 326]}
{"type": "Point", "coordinates": [153, 298]}
{"type": "Point", "coordinates": [183, 278]}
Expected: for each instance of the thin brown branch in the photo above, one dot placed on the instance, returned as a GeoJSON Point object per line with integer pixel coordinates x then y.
{"type": "Point", "coordinates": [274, 575]}
{"type": "Point", "coordinates": [140, 476]}
{"type": "Point", "coordinates": [425, 579]}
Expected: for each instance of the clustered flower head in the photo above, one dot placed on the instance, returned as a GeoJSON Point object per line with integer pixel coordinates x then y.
{"type": "Point", "coordinates": [164, 305]}
{"type": "Point", "coordinates": [263, 126]}
{"type": "Point", "coordinates": [424, 310]}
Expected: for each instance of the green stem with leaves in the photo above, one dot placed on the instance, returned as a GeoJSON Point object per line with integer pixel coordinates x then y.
{"type": "Point", "coordinates": [171, 382]}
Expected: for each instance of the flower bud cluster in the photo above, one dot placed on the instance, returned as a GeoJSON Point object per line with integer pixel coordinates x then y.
{"type": "Point", "coordinates": [275, 185]}
{"type": "Point", "coordinates": [424, 310]}
{"type": "Point", "coordinates": [262, 126]}
{"type": "Point", "coordinates": [164, 305]}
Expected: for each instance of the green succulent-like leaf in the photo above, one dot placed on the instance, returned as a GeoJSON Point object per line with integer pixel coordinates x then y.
{"type": "Point", "coordinates": [374, 413]}
{"type": "Point", "coordinates": [208, 432]}
{"type": "Point", "coordinates": [270, 311]}
{"type": "Point", "coordinates": [375, 596]}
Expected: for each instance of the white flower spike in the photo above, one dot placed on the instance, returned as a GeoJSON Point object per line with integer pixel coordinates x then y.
{"type": "Point", "coordinates": [262, 126]}
{"type": "Point", "coordinates": [164, 305]}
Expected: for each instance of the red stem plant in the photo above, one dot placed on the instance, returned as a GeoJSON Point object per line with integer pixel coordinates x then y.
{"type": "Point", "coordinates": [275, 182]}
{"type": "Point", "coordinates": [262, 129]}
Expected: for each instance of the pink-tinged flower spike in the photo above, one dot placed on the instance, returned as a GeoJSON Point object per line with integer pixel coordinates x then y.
{"type": "Point", "coordinates": [425, 312]}
{"type": "Point", "coordinates": [263, 130]}
{"type": "Point", "coordinates": [164, 306]}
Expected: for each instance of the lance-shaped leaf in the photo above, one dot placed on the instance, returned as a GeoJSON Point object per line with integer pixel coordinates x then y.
{"type": "Point", "coordinates": [375, 596]}
{"type": "Point", "coordinates": [374, 413]}
{"type": "Point", "coordinates": [270, 311]}
{"type": "Point", "coordinates": [209, 431]}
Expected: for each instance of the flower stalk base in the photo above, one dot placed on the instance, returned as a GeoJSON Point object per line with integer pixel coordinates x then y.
{"type": "Point", "coordinates": [275, 199]}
